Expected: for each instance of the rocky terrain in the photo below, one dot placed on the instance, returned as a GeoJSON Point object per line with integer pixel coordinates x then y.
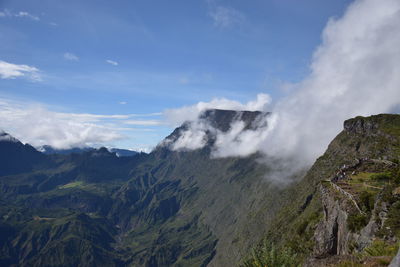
{"type": "Point", "coordinates": [345, 211]}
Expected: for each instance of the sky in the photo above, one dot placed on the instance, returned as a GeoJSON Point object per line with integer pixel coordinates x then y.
{"type": "Point", "coordinates": [354, 71]}
{"type": "Point", "coordinates": [75, 73]}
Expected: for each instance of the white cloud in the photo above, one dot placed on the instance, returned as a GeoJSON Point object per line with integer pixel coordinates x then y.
{"type": "Point", "coordinates": [36, 124]}
{"type": "Point", "coordinates": [21, 14]}
{"type": "Point", "coordinates": [26, 15]}
{"type": "Point", "coordinates": [71, 57]}
{"type": "Point", "coordinates": [355, 71]}
{"type": "Point", "coordinates": [112, 62]}
{"type": "Point", "coordinates": [142, 148]}
{"type": "Point", "coordinates": [190, 140]}
{"type": "Point", "coordinates": [191, 113]}
{"type": "Point", "coordinates": [122, 102]}
{"type": "Point", "coordinates": [238, 141]}
{"type": "Point", "coordinates": [143, 122]}
{"type": "Point", "coordinates": [225, 17]}
{"type": "Point", "coordinates": [12, 71]}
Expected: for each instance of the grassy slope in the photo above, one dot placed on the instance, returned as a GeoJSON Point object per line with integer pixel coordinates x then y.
{"type": "Point", "coordinates": [294, 225]}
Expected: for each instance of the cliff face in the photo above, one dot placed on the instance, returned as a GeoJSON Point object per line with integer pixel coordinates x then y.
{"type": "Point", "coordinates": [332, 234]}
{"type": "Point", "coordinates": [217, 120]}
{"type": "Point", "coordinates": [346, 209]}
{"type": "Point", "coordinates": [360, 196]}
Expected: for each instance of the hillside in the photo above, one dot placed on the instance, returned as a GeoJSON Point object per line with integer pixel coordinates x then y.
{"type": "Point", "coordinates": [182, 208]}
{"type": "Point", "coordinates": [160, 209]}
{"type": "Point", "coordinates": [345, 211]}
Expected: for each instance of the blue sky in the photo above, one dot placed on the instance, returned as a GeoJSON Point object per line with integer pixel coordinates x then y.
{"type": "Point", "coordinates": [142, 57]}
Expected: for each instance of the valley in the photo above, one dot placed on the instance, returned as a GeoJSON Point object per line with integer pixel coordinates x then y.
{"type": "Point", "coordinates": [182, 208]}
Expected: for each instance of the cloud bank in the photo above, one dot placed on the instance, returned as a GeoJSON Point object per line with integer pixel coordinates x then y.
{"type": "Point", "coordinates": [38, 125]}
{"type": "Point", "coordinates": [191, 113]}
{"type": "Point", "coordinates": [355, 71]}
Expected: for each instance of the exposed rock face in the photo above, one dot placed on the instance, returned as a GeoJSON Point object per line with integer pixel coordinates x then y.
{"type": "Point", "coordinates": [359, 125]}
{"type": "Point", "coordinates": [219, 120]}
{"type": "Point", "coordinates": [396, 261]}
{"type": "Point", "coordinates": [222, 119]}
{"type": "Point", "coordinates": [332, 235]}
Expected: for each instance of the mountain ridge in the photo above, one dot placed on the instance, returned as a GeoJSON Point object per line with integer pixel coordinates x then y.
{"type": "Point", "coordinates": [177, 207]}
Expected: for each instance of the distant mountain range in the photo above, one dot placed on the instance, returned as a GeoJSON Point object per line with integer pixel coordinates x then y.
{"type": "Point", "coordinates": [183, 208]}
{"type": "Point", "coordinates": [119, 152]}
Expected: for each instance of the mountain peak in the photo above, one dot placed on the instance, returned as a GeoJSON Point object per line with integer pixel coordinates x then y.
{"type": "Point", "coordinates": [222, 119]}
{"type": "Point", "coordinates": [372, 125]}
{"type": "Point", "coordinates": [5, 137]}
{"type": "Point", "coordinates": [211, 123]}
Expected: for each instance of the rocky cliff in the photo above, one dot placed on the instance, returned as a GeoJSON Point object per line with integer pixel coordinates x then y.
{"type": "Point", "coordinates": [346, 208]}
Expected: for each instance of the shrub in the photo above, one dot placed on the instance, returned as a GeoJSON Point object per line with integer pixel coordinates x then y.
{"type": "Point", "coordinates": [367, 201]}
{"type": "Point", "coordinates": [350, 263]}
{"type": "Point", "coordinates": [381, 248]}
{"type": "Point", "coordinates": [356, 222]}
{"type": "Point", "coordinates": [395, 176]}
{"type": "Point", "coordinates": [393, 220]}
{"type": "Point", "coordinates": [268, 255]}
{"type": "Point", "coordinates": [381, 176]}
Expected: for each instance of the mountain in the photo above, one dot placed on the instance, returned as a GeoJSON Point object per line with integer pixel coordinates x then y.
{"type": "Point", "coordinates": [220, 120]}
{"type": "Point", "coordinates": [182, 208]}
{"type": "Point", "coordinates": [16, 157]}
{"type": "Point", "coordinates": [346, 209]}
{"type": "Point", "coordinates": [49, 150]}
{"type": "Point", "coordinates": [123, 152]}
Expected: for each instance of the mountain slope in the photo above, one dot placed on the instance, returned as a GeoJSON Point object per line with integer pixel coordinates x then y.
{"type": "Point", "coordinates": [321, 223]}
{"type": "Point", "coordinates": [182, 208]}
{"type": "Point", "coordinates": [164, 208]}
{"type": "Point", "coordinates": [16, 157]}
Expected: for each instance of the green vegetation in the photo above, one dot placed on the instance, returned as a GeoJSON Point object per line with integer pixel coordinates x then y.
{"type": "Point", "coordinates": [378, 253]}
{"type": "Point", "coordinates": [385, 177]}
{"type": "Point", "coordinates": [367, 200]}
{"type": "Point", "coordinates": [267, 255]}
{"type": "Point", "coordinates": [390, 124]}
{"type": "Point", "coordinates": [350, 263]}
{"type": "Point", "coordinates": [381, 248]}
{"type": "Point", "coordinates": [183, 209]}
{"type": "Point", "coordinates": [393, 221]}
{"type": "Point", "coordinates": [367, 182]}
{"type": "Point", "coordinates": [379, 139]}
{"type": "Point", "coordinates": [76, 184]}
{"type": "Point", "coordinates": [357, 221]}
